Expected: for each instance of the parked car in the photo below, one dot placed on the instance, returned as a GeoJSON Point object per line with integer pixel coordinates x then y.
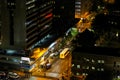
{"type": "Point", "coordinates": [52, 55]}
{"type": "Point", "coordinates": [2, 75]}
{"type": "Point", "coordinates": [13, 75]}
{"type": "Point", "coordinates": [48, 66]}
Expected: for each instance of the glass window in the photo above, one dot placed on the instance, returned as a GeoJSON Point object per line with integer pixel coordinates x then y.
{"type": "Point", "coordinates": [93, 60]}
{"type": "Point", "coordinates": [102, 61]}
{"type": "Point", "coordinates": [31, 6]}
{"type": "Point", "coordinates": [77, 6]}
{"type": "Point", "coordinates": [73, 65]}
{"type": "Point", "coordinates": [78, 66]}
{"type": "Point", "coordinates": [102, 69]}
{"type": "Point", "coordinates": [83, 73]}
{"type": "Point", "coordinates": [99, 61]}
{"type": "Point", "coordinates": [77, 2]}
{"type": "Point", "coordinates": [77, 73]}
{"type": "Point", "coordinates": [87, 60]}
{"type": "Point", "coordinates": [77, 10]}
{"type": "Point", "coordinates": [87, 67]}
{"type": "Point", "coordinates": [98, 69]}
{"type": "Point", "coordinates": [93, 68]}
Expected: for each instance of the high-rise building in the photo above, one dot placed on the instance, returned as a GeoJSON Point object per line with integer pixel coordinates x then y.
{"type": "Point", "coordinates": [23, 23]}
{"type": "Point", "coordinates": [82, 7]}
{"type": "Point", "coordinates": [64, 15]}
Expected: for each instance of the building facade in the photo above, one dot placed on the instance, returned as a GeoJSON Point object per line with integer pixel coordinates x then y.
{"type": "Point", "coordinates": [64, 12]}
{"type": "Point", "coordinates": [86, 61]}
{"type": "Point", "coordinates": [82, 7]}
{"type": "Point", "coordinates": [23, 23]}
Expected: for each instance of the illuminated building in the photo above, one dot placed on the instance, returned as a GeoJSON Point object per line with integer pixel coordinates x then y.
{"type": "Point", "coordinates": [82, 7]}
{"type": "Point", "coordinates": [77, 8]}
{"type": "Point", "coordinates": [86, 60]}
{"type": "Point", "coordinates": [23, 23]}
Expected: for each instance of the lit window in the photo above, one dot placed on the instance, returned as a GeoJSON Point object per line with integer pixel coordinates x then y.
{"type": "Point", "coordinates": [118, 77]}
{"type": "Point", "coordinates": [30, 2]}
{"type": "Point", "coordinates": [93, 60]}
{"type": "Point", "coordinates": [78, 66]}
{"type": "Point", "coordinates": [102, 69]}
{"type": "Point", "coordinates": [31, 6]}
{"type": "Point", "coordinates": [77, 10]}
{"type": "Point", "coordinates": [77, 6]}
{"type": "Point", "coordinates": [87, 67]}
{"type": "Point", "coordinates": [73, 65]}
{"type": "Point", "coordinates": [87, 60]}
{"type": "Point", "coordinates": [99, 61]}
{"type": "Point", "coordinates": [93, 68]}
{"type": "Point", "coordinates": [77, 2]}
{"type": "Point", "coordinates": [98, 69]}
{"type": "Point", "coordinates": [84, 74]}
{"type": "Point", "coordinates": [102, 61]}
{"type": "Point", "coordinates": [117, 34]}
{"type": "Point", "coordinates": [77, 73]}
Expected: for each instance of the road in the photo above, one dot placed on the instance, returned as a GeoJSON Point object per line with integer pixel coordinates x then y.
{"type": "Point", "coordinates": [57, 70]}
{"type": "Point", "coordinates": [61, 67]}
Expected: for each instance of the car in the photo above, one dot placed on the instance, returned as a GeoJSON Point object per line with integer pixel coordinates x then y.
{"type": "Point", "coordinates": [48, 66]}
{"type": "Point", "coordinates": [13, 75]}
{"type": "Point", "coordinates": [56, 54]}
{"type": "Point", "coordinates": [2, 75]}
{"type": "Point", "coordinates": [52, 55]}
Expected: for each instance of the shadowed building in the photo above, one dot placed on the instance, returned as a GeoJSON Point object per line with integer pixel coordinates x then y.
{"type": "Point", "coordinates": [23, 23]}
{"type": "Point", "coordinates": [93, 61]}
{"type": "Point", "coordinates": [64, 15]}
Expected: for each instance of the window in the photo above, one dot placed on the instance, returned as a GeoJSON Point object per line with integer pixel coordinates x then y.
{"type": "Point", "coordinates": [31, 1]}
{"type": "Point", "coordinates": [98, 69]}
{"type": "Point", "coordinates": [87, 67]}
{"type": "Point", "coordinates": [85, 74]}
{"type": "Point", "coordinates": [77, 73]}
{"type": "Point", "coordinates": [93, 68]}
{"type": "Point", "coordinates": [87, 60]}
{"type": "Point", "coordinates": [77, 2]}
{"type": "Point", "coordinates": [78, 66]}
{"type": "Point", "coordinates": [102, 69]}
{"type": "Point", "coordinates": [77, 6]}
{"type": "Point", "coordinates": [102, 61]}
{"type": "Point", "coordinates": [93, 61]}
{"type": "Point", "coordinates": [73, 65]}
{"type": "Point", "coordinates": [77, 10]}
{"type": "Point", "coordinates": [31, 6]}
{"type": "Point", "coordinates": [99, 61]}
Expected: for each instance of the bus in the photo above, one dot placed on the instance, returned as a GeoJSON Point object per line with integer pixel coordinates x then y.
{"type": "Point", "coordinates": [64, 53]}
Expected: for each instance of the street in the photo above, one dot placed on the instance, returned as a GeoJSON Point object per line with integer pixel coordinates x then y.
{"type": "Point", "coordinates": [59, 68]}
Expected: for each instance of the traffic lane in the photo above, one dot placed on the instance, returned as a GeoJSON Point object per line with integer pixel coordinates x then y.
{"type": "Point", "coordinates": [39, 78]}
{"type": "Point", "coordinates": [60, 65]}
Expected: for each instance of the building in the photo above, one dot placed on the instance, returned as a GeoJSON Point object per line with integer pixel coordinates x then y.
{"type": "Point", "coordinates": [64, 15]}
{"type": "Point", "coordinates": [82, 7]}
{"type": "Point", "coordinates": [24, 23]}
{"type": "Point", "coordinates": [86, 60]}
